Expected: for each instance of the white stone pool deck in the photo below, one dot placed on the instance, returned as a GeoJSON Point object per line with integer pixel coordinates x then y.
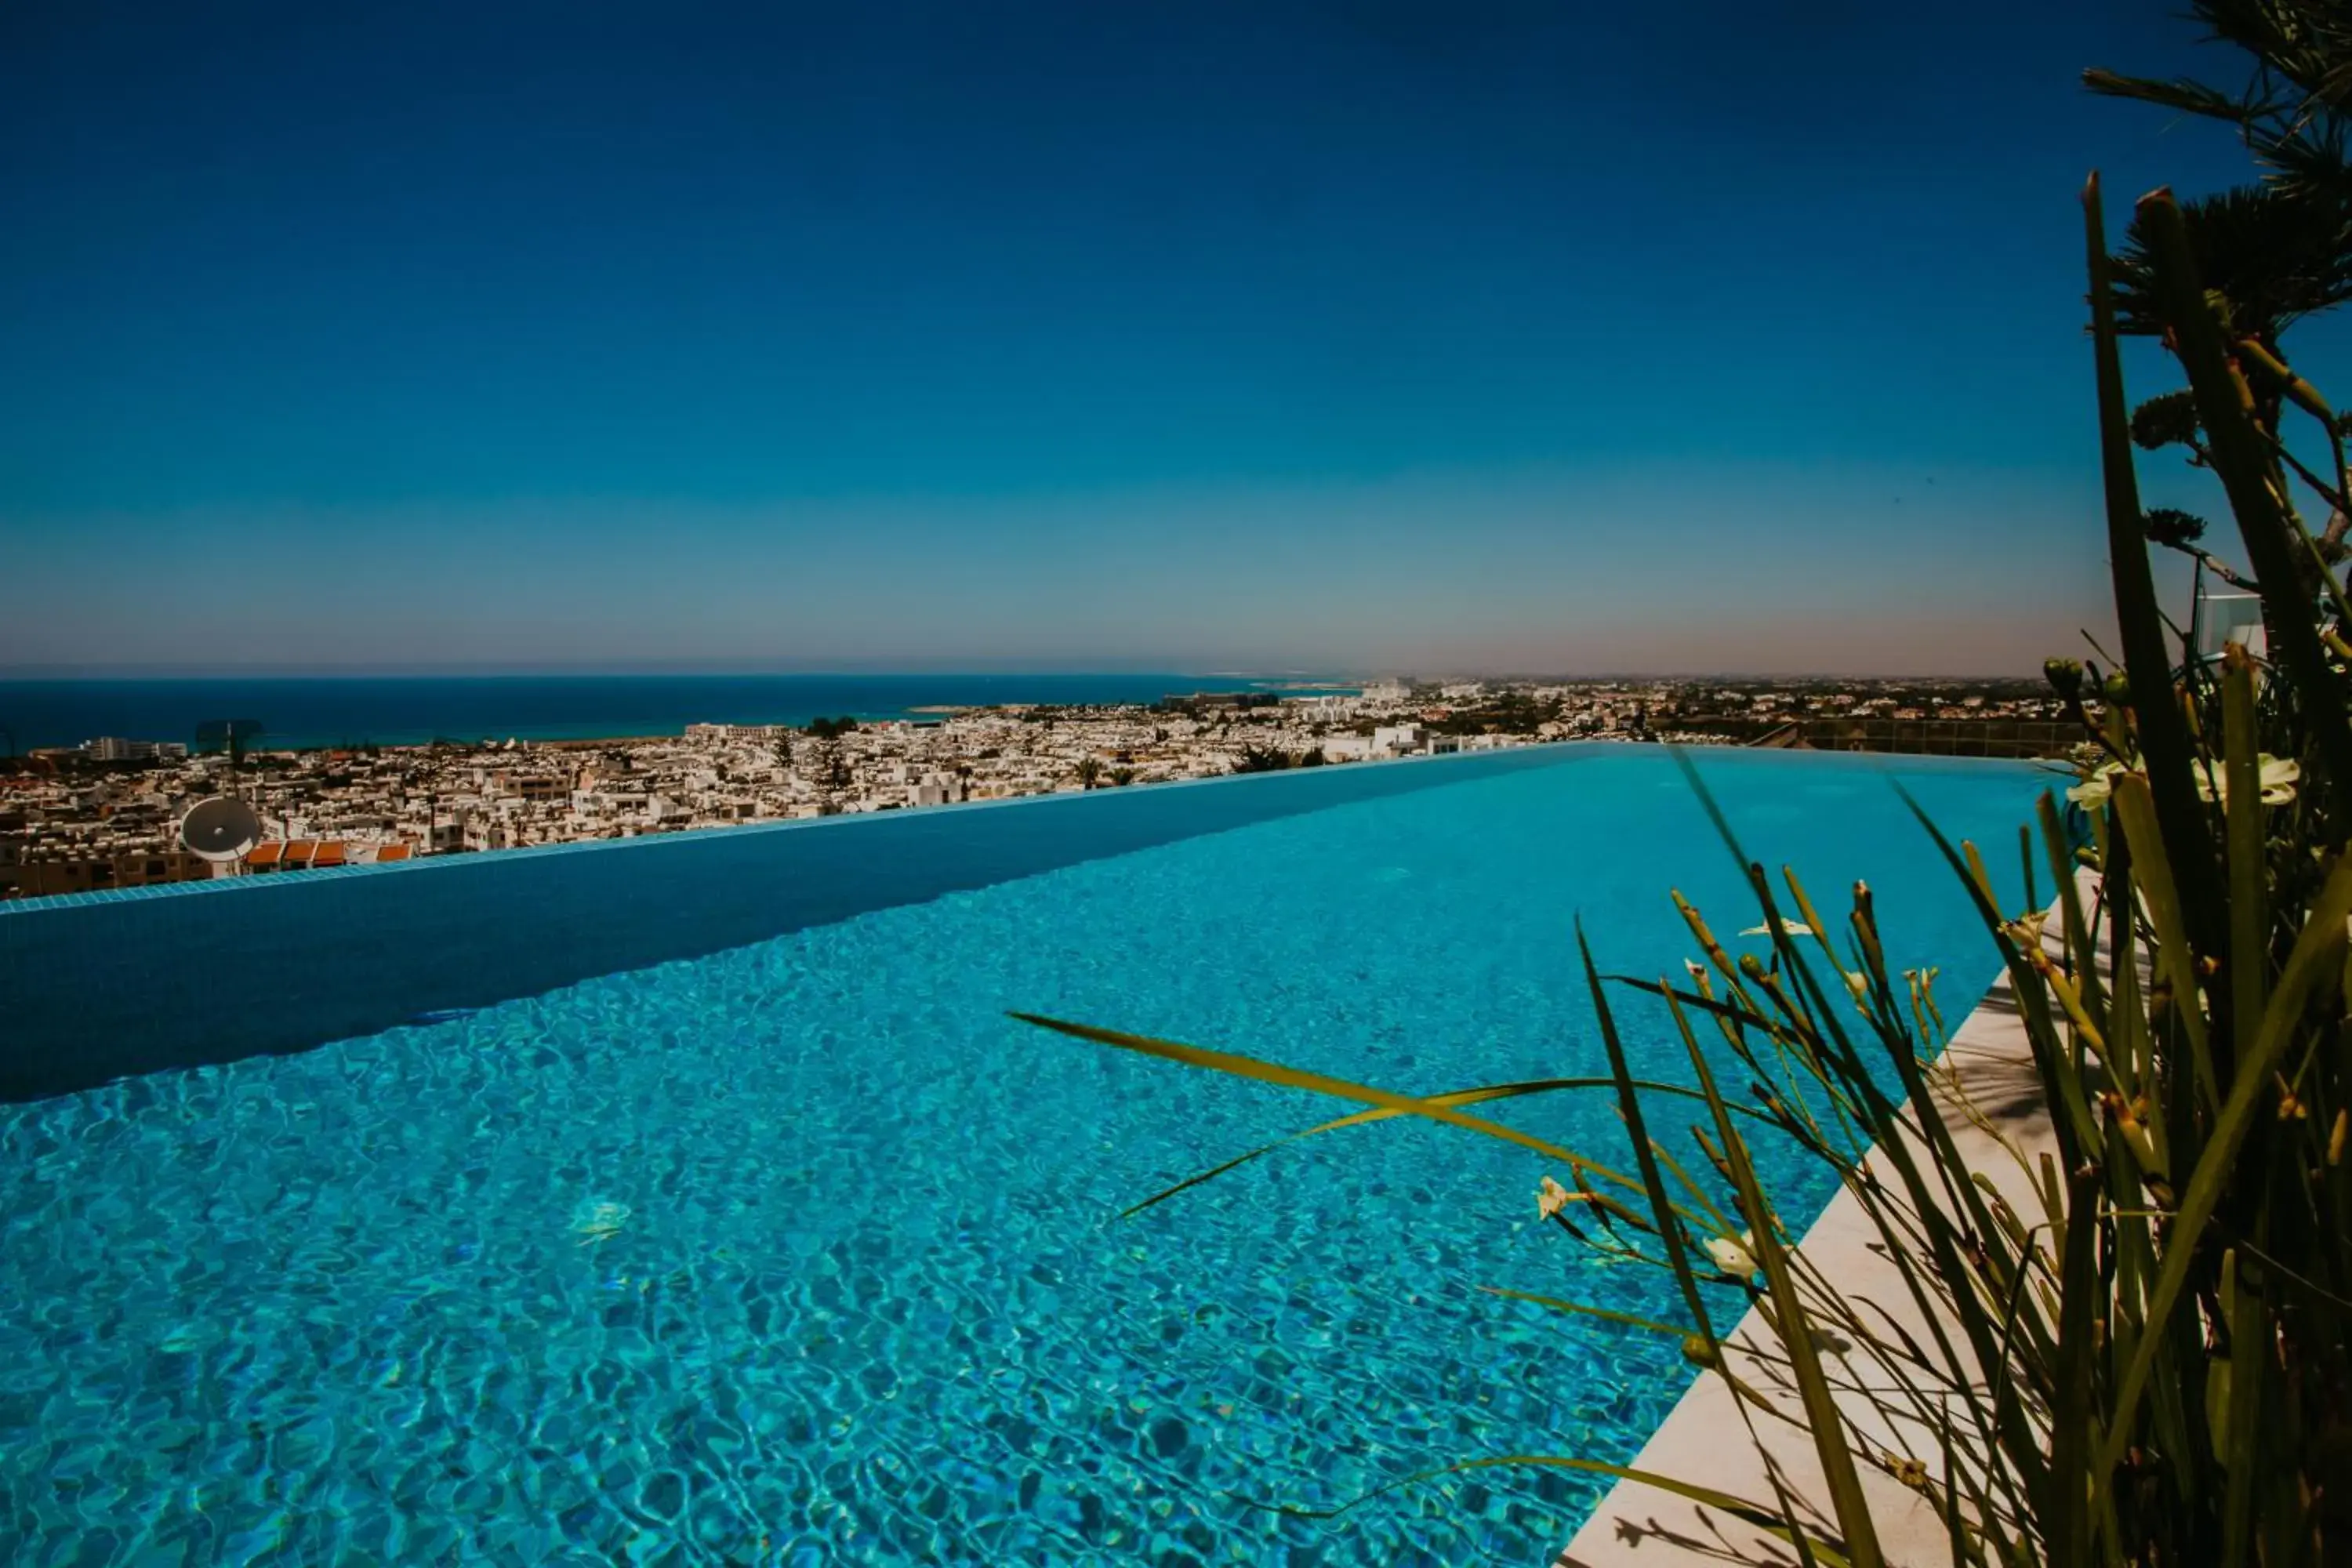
{"type": "Point", "coordinates": [1703, 1440]}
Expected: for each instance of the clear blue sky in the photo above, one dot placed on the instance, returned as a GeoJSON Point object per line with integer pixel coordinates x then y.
{"type": "Point", "coordinates": [1351, 335]}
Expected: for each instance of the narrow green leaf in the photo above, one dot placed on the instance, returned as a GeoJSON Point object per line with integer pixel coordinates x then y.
{"type": "Point", "coordinates": [2242, 814]}
{"type": "Point", "coordinates": [1796, 1334]}
{"type": "Point", "coordinates": [2163, 737]}
{"type": "Point", "coordinates": [2254, 1332]}
{"type": "Point", "coordinates": [2176, 960]}
{"type": "Point", "coordinates": [1338, 1089]}
{"type": "Point", "coordinates": [1629, 1105]}
{"type": "Point", "coordinates": [1738, 1508]}
{"type": "Point", "coordinates": [2081, 950]}
{"type": "Point", "coordinates": [2068, 1532]}
{"type": "Point", "coordinates": [2274, 537]}
{"type": "Point", "coordinates": [2316, 953]}
{"type": "Point", "coordinates": [1459, 1097]}
{"type": "Point", "coordinates": [1584, 1310]}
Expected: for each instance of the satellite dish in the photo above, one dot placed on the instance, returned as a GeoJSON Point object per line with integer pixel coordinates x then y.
{"type": "Point", "coordinates": [221, 828]}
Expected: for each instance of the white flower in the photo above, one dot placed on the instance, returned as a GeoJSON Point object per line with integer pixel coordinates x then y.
{"type": "Point", "coordinates": [2094, 789]}
{"type": "Point", "coordinates": [1734, 1257]}
{"type": "Point", "coordinates": [1787, 928]}
{"type": "Point", "coordinates": [2276, 775]}
{"type": "Point", "coordinates": [1550, 1199]}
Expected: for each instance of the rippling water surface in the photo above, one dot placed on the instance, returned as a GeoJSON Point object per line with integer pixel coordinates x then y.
{"type": "Point", "coordinates": [803, 1254]}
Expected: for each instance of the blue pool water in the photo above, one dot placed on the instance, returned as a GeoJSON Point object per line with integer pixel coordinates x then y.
{"type": "Point", "coordinates": [799, 1252]}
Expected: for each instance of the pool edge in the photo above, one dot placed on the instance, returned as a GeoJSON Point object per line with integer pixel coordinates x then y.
{"type": "Point", "coordinates": [1636, 1525]}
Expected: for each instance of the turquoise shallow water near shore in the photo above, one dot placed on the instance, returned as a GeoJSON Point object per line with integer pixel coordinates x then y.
{"type": "Point", "coordinates": [801, 1253]}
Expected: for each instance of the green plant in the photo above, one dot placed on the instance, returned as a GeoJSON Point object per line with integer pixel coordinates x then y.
{"type": "Point", "coordinates": [1254, 759]}
{"type": "Point", "coordinates": [2291, 111]}
{"type": "Point", "coordinates": [2269, 254]}
{"type": "Point", "coordinates": [2146, 1357]}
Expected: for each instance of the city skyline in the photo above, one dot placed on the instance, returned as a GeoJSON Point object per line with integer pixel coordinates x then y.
{"type": "Point", "coordinates": [106, 812]}
{"type": "Point", "coordinates": [1268, 338]}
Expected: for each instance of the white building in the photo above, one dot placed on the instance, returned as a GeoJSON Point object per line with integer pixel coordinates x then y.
{"type": "Point", "coordinates": [707, 734]}
{"type": "Point", "coordinates": [114, 749]}
{"type": "Point", "coordinates": [937, 789]}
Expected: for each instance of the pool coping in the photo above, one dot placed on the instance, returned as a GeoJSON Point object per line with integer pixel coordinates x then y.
{"type": "Point", "coordinates": [758, 828]}
{"type": "Point", "coordinates": [1703, 1439]}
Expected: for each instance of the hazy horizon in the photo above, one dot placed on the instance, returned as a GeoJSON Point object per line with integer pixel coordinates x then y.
{"type": "Point", "coordinates": [1338, 676]}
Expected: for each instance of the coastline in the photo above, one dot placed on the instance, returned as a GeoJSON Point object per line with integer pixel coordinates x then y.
{"type": "Point", "coordinates": [315, 713]}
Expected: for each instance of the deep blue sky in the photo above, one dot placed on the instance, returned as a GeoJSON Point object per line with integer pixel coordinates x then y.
{"type": "Point", "coordinates": [1343, 336]}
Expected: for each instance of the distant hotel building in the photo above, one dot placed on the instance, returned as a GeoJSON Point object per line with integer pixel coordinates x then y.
{"type": "Point", "coordinates": [722, 734]}
{"type": "Point", "coordinates": [113, 749]}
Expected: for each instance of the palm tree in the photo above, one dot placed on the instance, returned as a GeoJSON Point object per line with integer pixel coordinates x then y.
{"type": "Point", "coordinates": [2273, 255]}
{"type": "Point", "coordinates": [2292, 111]}
{"type": "Point", "coordinates": [1089, 772]}
{"type": "Point", "coordinates": [2269, 254]}
{"type": "Point", "coordinates": [2280, 249]}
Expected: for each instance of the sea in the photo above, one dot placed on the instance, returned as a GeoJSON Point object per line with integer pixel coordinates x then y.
{"type": "Point", "coordinates": [302, 713]}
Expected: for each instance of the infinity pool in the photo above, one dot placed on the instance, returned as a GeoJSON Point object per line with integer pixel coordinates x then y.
{"type": "Point", "coordinates": [799, 1252]}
